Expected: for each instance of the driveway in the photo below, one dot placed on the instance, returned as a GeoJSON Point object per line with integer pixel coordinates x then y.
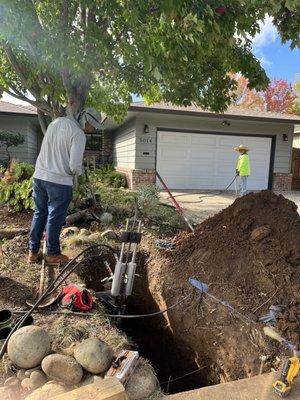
{"type": "Point", "coordinates": [201, 205]}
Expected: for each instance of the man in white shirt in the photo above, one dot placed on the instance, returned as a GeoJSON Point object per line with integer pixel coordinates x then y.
{"type": "Point", "coordinates": [58, 164]}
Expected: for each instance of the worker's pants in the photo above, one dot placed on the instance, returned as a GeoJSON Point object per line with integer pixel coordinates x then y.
{"type": "Point", "coordinates": [51, 202]}
{"type": "Point", "coordinates": [242, 185]}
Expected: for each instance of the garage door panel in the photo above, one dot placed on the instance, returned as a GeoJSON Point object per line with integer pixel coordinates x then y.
{"type": "Point", "coordinates": [207, 161]}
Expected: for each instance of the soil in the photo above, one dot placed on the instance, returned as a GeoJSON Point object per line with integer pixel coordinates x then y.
{"type": "Point", "coordinates": [249, 255]}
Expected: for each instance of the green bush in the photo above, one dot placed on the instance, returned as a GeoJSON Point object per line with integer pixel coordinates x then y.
{"type": "Point", "coordinates": [22, 171]}
{"type": "Point", "coordinates": [17, 195]}
{"type": "Point", "coordinates": [108, 176]}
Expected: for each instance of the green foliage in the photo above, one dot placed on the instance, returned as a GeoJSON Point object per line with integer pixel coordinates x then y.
{"type": "Point", "coordinates": [108, 176]}
{"type": "Point", "coordinates": [99, 52]}
{"type": "Point", "coordinates": [22, 171]}
{"type": "Point", "coordinates": [10, 139]}
{"type": "Point", "coordinates": [17, 195]}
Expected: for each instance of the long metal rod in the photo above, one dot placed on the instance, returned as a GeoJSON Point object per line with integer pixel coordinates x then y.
{"type": "Point", "coordinates": [176, 204]}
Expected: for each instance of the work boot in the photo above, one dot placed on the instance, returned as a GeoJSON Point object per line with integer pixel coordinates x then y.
{"type": "Point", "coordinates": [57, 259]}
{"type": "Point", "coordinates": [34, 258]}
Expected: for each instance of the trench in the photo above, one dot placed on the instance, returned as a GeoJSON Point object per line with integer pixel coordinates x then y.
{"type": "Point", "coordinates": [175, 363]}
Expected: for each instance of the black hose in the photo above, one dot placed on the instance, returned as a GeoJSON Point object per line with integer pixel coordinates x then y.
{"type": "Point", "coordinates": [48, 291]}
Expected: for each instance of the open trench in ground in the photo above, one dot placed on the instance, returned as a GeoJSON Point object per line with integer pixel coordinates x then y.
{"type": "Point", "coordinates": [187, 346]}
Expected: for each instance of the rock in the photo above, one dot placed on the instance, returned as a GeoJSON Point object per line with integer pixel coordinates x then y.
{"type": "Point", "coordinates": [28, 372]}
{"type": "Point", "coordinates": [111, 235]}
{"type": "Point", "coordinates": [91, 379]}
{"type": "Point", "coordinates": [28, 346]}
{"type": "Point", "coordinates": [47, 391]}
{"type": "Point", "coordinates": [94, 355]}
{"type": "Point", "coordinates": [12, 382]}
{"type": "Point", "coordinates": [26, 384]}
{"type": "Point", "coordinates": [38, 378]}
{"type": "Point", "coordinates": [142, 384]}
{"type": "Point", "coordinates": [260, 233]}
{"type": "Point", "coordinates": [84, 232]}
{"type": "Point", "coordinates": [62, 369]}
{"type": "Point", "coordinates": [71, 230]}
{"type": "Point", "coordinates": [106, 218]}
{"type": "Point", "coordinates": [21, 374]}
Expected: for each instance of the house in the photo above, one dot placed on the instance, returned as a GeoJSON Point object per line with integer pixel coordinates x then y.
{"type": "Point", "coordinates": [193, 149]}
{"type": "Point", "coordinates": [23, 120]}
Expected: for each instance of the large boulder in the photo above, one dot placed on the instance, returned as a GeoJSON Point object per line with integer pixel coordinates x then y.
{"type": "Point", "coordinates": [47, 391]}
{"type": "Point", "coordinates": [62, 368]}
{"type": "Point", "coordinates": [142, 383]}
{"type": "Point", "coordinates": [28, 346]}
{"type": "Point", "coordinates": [94, 355]}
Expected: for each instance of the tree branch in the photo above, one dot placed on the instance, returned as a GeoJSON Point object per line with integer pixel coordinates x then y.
{"type": "Point", "coordinates": [42, 121]}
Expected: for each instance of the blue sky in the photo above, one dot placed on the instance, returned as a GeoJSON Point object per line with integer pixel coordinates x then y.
{"type": "Point", "coordinates": [278, 59]}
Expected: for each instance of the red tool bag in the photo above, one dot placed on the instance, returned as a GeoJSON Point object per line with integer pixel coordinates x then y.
{"type": "Point", "coordinates": [76, 298]}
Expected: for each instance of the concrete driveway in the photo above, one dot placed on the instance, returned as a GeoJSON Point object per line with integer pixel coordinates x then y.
{"type": "Point", "coordinates": [201, 205]}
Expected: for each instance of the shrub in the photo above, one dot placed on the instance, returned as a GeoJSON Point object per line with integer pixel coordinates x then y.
{"type": "Point", "coordinates": [22, 171]}
{"type": "Point", "coordinates": [9, 139]}
{"type": "Point", "coordinates": [108, 176]}
{"type": "Point", "coordinates": [17, 195]}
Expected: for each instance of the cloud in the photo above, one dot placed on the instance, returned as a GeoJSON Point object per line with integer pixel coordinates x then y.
{"type": "Point", "coordinates": [267, 35]}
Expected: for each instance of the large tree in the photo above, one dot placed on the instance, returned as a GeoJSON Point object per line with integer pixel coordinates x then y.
{"type": "Point", "coordinates": [60, 55]}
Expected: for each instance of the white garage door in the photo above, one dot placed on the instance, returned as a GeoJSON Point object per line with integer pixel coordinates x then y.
{"type": "Point", "coordinates": [207, 161]}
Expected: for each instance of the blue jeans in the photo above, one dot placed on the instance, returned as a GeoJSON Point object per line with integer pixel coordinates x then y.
{"type": "Point", "coordinates": [51, 206]}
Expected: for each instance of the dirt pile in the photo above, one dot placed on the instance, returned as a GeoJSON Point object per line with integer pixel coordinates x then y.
{"type": "Point", "coordinates": [249, 255]}
{"type": "Point", "coordinates": [251, 250]}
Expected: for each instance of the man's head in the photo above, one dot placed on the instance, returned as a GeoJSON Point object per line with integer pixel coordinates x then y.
{"type": "Point", "coordinates": [242, 149]}
{"type": "Point", "coordinates": [89, 120]}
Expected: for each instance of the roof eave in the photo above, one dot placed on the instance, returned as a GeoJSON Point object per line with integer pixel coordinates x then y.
{"type": "Point", "coordinates": [213, 115]}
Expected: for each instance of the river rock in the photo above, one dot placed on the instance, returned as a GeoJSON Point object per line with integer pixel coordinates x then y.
{"type": "Point", "coordinates": [21, 374]}
{"type": "Point", "coordinates": [28, 346]}
{"type": "Point", "coordinates": [94, 355]}
{"type": "Point", "coordinates": [6, 393]}
{"type": "Point", "coordinates": [94, 236]}
{"type": "Point", "coordinates": [26, 384]}
{"type": "Point", "coordinates": [62, 369]}
{"type": "Point", "coordinates": [142, 384]}
{"type": "Point", "coordinates": [31, 370]}
{"type": "Point", "coordinates": [38, 378]}
{"type": "Point", "coordinates": [47, 391]}
{"type": "Point", "coordinates": [84, 232]}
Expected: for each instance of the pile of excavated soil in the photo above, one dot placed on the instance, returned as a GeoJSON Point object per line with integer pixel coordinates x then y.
{"type": "Point", "coordinates": [249, 255]}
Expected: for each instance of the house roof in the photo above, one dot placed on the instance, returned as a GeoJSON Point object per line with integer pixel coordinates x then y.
{"type": "Point", "coordinates": [10, 108]}
{"type": "Point", "coordinates": [234, 112]}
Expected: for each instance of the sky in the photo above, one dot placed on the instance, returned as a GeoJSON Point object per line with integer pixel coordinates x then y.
{"type": "Point", "coordinates": [278, 60]}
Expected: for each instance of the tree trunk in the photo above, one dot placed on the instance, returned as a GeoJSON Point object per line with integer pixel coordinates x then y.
{"type": "Point", "coordinates": [43, 121]}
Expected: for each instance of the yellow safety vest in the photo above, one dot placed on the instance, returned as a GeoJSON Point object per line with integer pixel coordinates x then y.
{"type": "Point", "coordinates": [243, 165]}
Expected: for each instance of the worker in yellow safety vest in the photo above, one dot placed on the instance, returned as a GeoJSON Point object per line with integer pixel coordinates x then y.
{"type": "Point", "coordinates": [242, 169]}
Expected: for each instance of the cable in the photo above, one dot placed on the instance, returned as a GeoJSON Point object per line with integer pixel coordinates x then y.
{"type": "Point", "coordinates": [53, 286]}
{"type": "Point", "coordinates": [128, 316]}
{"type": "Point", "coordinates": [183, 376]}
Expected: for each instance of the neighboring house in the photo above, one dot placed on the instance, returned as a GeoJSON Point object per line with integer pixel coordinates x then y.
{"type": "Point", "coordinates": [24, 120]}
{"type": "Point", "coordinates": [193, 149]}
{"type": "Point", "coordinates": [296, 142]}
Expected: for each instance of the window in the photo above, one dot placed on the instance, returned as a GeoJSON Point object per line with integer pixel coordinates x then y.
{"type": "Point", "coordinates": [94, 141]}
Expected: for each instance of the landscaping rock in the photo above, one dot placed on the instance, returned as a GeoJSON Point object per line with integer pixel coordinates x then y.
{"type": "Point", "coordinates": [260, 233]}
{"type": "Point", "coordinates": [94, 355]}
{"type": "Point", "coordinates": [6, 393]}
{"type": "Point", "coordinates": [28, 372]}
{"type": "Point", "coordinates": [62, 369]}
{"type": "Point", "coordinates": [47, 391]}
{"type": "Point", "coordinates": [106, 218]}
{"type": "Point", "coordinates": [95, 236]}
{"type": "Point", "coordinates": [28, 346]}
{"type": "Point", "coordinates": [142, 384]}
{"type": "Point", "coordinates": [38, 378]}
{"type": "Point", "coordinates": [71, 230]}
{"type": "Point", "coordinates": [111, 235]}
{"type": "Point", "coordinates": [91, 379]}
{"type": "Point", "coordinates": [26, 384]}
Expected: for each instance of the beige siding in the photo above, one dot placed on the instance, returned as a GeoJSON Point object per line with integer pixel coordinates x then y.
{"type": "Point", "coordinates": [296, 142]}
{"type": "Point", "coordinates": [124, 145]}
{"type": "Point", "coordinates": [146, 143]}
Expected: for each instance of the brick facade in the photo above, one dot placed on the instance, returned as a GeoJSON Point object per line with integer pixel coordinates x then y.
{"type": "Point", "coordinates": [282, 182]}
{"type": "Point", "coordinates": [138, 177]}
